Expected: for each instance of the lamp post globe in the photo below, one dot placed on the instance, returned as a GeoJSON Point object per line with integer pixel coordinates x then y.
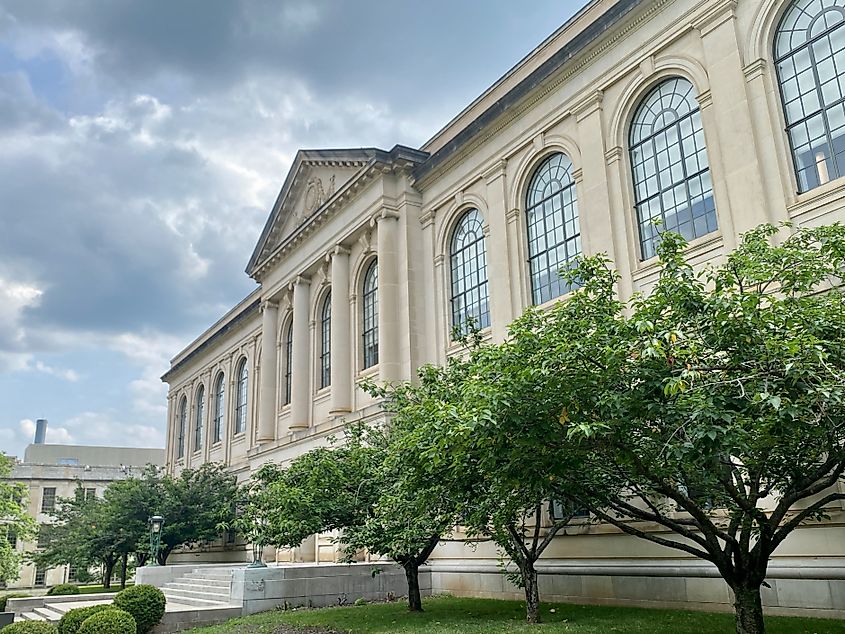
{"type": "Point", "coordinates": [156, 523]}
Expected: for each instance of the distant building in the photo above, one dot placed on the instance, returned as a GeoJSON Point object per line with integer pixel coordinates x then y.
{"type": "Point", "coordinates": [51, 472]}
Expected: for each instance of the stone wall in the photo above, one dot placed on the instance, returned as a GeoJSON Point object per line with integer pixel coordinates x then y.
{"type": "Point", "coordinates": [259, 589]}
{"type": "Point", "coordinates": [798, 587]}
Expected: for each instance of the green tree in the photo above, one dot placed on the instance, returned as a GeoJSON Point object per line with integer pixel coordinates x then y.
{"type": "Point", "coordinates": [78, 535]}
{"type": "Point", "coordinates": [459, 422]}
{"type": "Point", "coordinates": [712, 407]}
{"type": "Point", "coordinates": [354, 487]}
{"type": "Point", "coordinates": [14, 521]}
{"type": "Point", "coordinates": [195, 504]}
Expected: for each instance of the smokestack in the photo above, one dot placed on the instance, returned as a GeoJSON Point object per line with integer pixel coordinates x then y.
{"type": "Point", "coordinates": [40, 431]}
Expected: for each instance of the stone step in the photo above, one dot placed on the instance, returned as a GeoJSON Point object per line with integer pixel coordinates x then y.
{"type": "Point", "coordinates": [31, 616]}
{"type": "Point", "coordinates": [183, 600]}
{"type": "Point", "coordinates": [218, 576]}
{"type": "Point", "coordinates": [204, 581]}
{"type": "Point", "coordinates": [195, 593]}
{"type": "Point", "coordinates": [48, 613]}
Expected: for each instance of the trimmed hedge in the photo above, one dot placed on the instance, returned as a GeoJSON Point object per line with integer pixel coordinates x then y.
{"type": "Point", "coordinates": [145, 603]}
{"type": "Point", "coordinates": [73, 619]}
{"type": "Point", "coordinates": [111, 621]}
{"type": "Point", "coordinates": [6, 597]}
{"type": "Point", "coordinates": [63, 589]}
{"type": "Point", "coordinates": [30, 627]}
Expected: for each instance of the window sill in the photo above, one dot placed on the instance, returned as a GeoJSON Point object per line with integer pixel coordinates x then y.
{"type": "Point", "coordinates": [456, 347]}
{"type": "Point", "coordinates": [810, 201]}
{"type": "Point", "coordinates": [368, 372]}
{"type": "Point", "coordinates": [695, 248]}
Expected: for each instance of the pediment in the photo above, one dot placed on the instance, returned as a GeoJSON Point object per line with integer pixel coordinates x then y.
{"type": "Point", "coordinates": [314, 177]}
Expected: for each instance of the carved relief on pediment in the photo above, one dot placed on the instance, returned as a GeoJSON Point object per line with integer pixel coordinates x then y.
{"type": "Point", "coordinates": [316, 193]}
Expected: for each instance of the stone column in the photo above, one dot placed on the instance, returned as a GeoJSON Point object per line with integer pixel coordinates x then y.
{"type": "Point", "coordinates": [733, 118]}
{"type": "Point", "coordinates": [341, 344]}
{"type": "Point", "coordinates": [390, 368]}
{"type": "Point", "coordinates": [601, 229]}
{"type": "Point", "coordinates": [267, 372]}
{"type": "Point", "coordinates": [496, 243]}
{"type": "Point", "coordinates": [299, 393]}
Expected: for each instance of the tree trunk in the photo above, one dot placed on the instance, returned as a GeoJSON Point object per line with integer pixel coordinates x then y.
{"type": "Point", "coordinates": [123, 564]}
{"type": "Point", "coordinates": [163, 554]}
{"type": "Point", "coordinates": [532, 592]}
{"type": "Point", "coordinates": [749, 610]}
{"type": "Point", "coordinates": [108, 569]}
{"type": "Point", "coordinates": [412, 574]}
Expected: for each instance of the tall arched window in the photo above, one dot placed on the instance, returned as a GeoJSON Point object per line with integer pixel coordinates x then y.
{"type": "Point", "coordinates": [240, 402]}
{"type": "Point", "coordinates": [288, 360]}
{"type": "Point", "coordinates": [554, 233]}
{"type": "Point", "coordinates": [219, 406]}
{"type": "Point", "coordinates": [326, 342]}
{"type": "Point", "coordinates": [183, 421]}
{"type": "Point", "coordinates": [468, 265]}
{"type": "Point", "coordinates": [669, 163]}
{"type": "Point", "coordinates": [200, 415]}
{"type": "Point", "coordinates": [810, 60]}
{"type": "Point", "coordinates": [369, 306]}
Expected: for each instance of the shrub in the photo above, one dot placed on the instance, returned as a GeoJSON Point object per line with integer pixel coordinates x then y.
{"type": "Point", "coordinates": [30, 627]}
{"type": "Point", "coordinates": [6, 597]}
{"type": "Point", "coordinates": [112, 621]}
{"type": "Point", "coordinates": [145, 603]}
{"type": "Point", "coordinates": [63, 588]}
{"type": "Point", "coordinates": [73, 619]}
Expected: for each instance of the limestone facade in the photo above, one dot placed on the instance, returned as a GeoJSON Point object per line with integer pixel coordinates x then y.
{"type": "Point", "coordinates": [255, 386]}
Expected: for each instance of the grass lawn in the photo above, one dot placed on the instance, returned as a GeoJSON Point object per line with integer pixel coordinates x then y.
{"type": "Point", "coordinates": [450, 615]}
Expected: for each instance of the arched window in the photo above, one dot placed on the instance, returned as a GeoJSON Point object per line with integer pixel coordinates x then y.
{"type": "Point", "coordinates": [240, 402]}
{"type": "Point", "coordinates": [554, 233]}
{"type": "Point", "coordinates": [810, 60]}
{"type": "Point", "coordinates": [326, 342]}
{"type": "Point", "coordinates": [219, 406]}
{"type": "Point", "coordinates": [369, 306]}
{"type": "Point", "coordinates": [183, 420]}
{"type": "Point", "coordinates": [669, 163]}
{"type": "Point", "coordinates": [288, 360]}
{"type": "Point", "coordinates": [200, 414]}
{"type": "Point", "coordinates": [468, 265]}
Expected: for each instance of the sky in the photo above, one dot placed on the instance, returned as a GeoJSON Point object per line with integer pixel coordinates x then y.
{"type": "Point", "coordinates": [142, 144]}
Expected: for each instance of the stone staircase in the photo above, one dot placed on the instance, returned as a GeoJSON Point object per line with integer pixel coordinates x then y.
{"type": "Point", "coordinates": [54, 611]}
{"type": "Point", "coordinates": [204, 588]}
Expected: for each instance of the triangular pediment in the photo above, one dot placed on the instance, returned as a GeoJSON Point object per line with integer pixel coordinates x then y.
{"type": "Point", "coordinates": [314, 178]}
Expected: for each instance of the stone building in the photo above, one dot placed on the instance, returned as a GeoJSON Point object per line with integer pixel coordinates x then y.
{"type": "Point", "coordinates": [712, 116]}
{"type": "Point", "coordinates": [52, 472]}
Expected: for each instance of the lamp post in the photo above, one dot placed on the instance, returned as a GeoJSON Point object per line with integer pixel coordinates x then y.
{"type": "Point", "coordinates": [156, 523]}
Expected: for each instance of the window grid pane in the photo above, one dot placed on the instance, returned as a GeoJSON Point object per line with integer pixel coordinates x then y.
{"type": "Point", "coordinates": [670, 168]}
{"type": "Point", "coordinates": [810, 51]}
{"type": "Point", "coordinates": [219, 407]}
{"type": "Point", "coordinates": [468, 257]}
{"type": "Point", "coordinates": [240, 407]}
{"type": "Point", "coordinates": [370, 316]}
{"type": "Point", "coordinates": [48, 499]}
{"type": "Point", "coordinates": [183, 421]}
{"type": "Point", "coordinates": [326, 342]}
{"type": "Point", "coordinates": [288, 361]}
{"type": "Point", "coordinates": [554, 232]}
{"type": "Point", "coordinates": [200, 414]}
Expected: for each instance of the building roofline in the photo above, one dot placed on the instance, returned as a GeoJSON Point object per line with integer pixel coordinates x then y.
{"type": "Point", "coordinates": [579, 42]}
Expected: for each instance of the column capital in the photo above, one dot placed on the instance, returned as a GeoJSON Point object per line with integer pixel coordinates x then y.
{"type": "Point", "coordinates": [715, 17]}
{"type": "Point", "coordinates": [267, 304]}
{"type": "Point", "coordinates": [339, 249]}
{"type": "Point", "coordinates": [299, 280]}
{"type": "Point", "coordinates": [384, 214]}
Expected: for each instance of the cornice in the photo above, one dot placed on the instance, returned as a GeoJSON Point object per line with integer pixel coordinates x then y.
{"type": "Point", "coordinates": [568, 69]}
{"type": "Point", "coordinates": [715, 17]}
